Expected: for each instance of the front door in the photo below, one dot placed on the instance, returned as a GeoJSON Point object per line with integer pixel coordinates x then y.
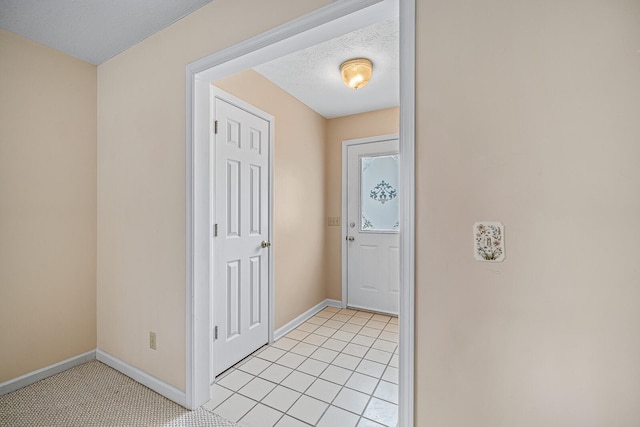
{"type": "Point", "coordinates": [372, 244]}
{"type": "Point", "coordinates": [241, 232]}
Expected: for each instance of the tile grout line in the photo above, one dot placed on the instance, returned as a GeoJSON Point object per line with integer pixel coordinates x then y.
{"type": "Point", "coordinates": [342, 386]}
{"type": "Point", "coordinates": [353, 371]}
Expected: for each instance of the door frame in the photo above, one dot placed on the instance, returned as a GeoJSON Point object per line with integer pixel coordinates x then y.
{"type": "Point", "coordinates": [216, 92]}
{"type": "Point", "coordinates": [345, 226]}
{"type": "Point", "coordinates": [323, 24]}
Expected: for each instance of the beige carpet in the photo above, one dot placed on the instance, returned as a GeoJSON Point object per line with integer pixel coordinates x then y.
{"type": "Point", "coordinates": [95, 395]}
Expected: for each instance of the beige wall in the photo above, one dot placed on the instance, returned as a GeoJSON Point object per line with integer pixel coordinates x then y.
{"type": "Point", "coordinates": [141, 179]}
{"type": "Point", "coordinates": [299, 193]}
{"type": "Point", "coordinates": [382, 122]}
{"type": "Point", "coordinates": [528, 113]}
{"type": "Point", "coordinates": [47, 206]}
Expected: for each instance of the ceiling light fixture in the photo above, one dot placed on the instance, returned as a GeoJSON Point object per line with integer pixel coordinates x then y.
{"type": "Point", "coordinates": [356, 73]}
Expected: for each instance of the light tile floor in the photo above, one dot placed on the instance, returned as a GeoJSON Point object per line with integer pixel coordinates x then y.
{"type": "Point", "coordinates": [338, 369]}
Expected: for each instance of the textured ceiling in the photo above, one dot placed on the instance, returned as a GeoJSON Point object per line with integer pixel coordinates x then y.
{"type": "Point", "coordinates": [96, 30]}
{"type": "Point", "coordinates": [312, 75]}
{"type": "Point", "coordinates": [92, 30]}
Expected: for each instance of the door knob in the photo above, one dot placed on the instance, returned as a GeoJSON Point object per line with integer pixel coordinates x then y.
{"type": "Point", "coordinates": [265, 244]}
{"type": "Point", "coordinates": [351, 238]}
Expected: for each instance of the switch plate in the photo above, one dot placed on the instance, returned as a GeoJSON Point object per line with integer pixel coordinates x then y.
{"type": "Point", "coordinates": [334, 221]}
{"type": "Point", "coordinates": [152, 341]}
{"type": "Point", "coordinates": [488, 242]}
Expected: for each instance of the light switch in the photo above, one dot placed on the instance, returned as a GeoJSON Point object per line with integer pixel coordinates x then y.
{"type": "Point", "coordinates": [334, 221]}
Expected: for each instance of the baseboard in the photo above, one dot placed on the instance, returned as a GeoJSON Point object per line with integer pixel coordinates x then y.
{"type": "Point", "coordinates": [40, 374]}
{"type": "Point", "coordinates": [155, 384]}
{"type": "Point", "coordinates": [373, 310]}
{"type": "Point", "coordinates": [333, 303]}
{"type": "Point", "coordinates": [280, 332]}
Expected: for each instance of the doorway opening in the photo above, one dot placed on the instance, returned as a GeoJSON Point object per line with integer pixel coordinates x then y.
{"type": "Point", "coordinates": [334, 19]}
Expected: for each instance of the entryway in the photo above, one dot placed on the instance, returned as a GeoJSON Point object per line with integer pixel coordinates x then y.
{"type": "Point", "coordinates": [371, 261]}
{"type": "Point", "coordinates": [336, 18]}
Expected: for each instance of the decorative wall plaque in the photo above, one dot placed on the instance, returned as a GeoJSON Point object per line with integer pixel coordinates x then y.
{"type": "Point", "coordinates": [488, 241]}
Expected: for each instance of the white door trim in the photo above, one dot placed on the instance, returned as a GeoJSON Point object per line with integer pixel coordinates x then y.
{"type": "Point", "coordinates": [406, 344]}
{"type": "Point", "coordinates": [215, 92]}
{"type": "Point", "coordinates": [330, 21]}
{"type": "Point", "coordinates": [345, 227]}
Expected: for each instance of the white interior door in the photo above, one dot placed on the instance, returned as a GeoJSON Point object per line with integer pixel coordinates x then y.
{"type": "Point", "coordinates": [372, 226]}
{"type": "Point", "coordinates": [240, 289]}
